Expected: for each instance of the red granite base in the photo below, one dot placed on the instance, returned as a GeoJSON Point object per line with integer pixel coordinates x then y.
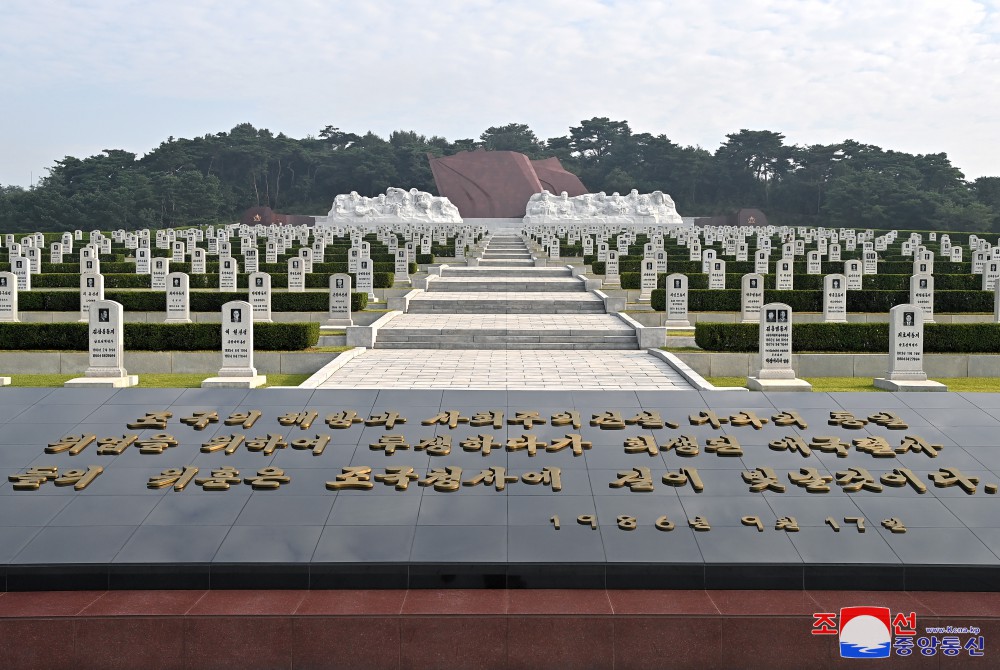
{"type": "Point", "coordinates": [460, 629]}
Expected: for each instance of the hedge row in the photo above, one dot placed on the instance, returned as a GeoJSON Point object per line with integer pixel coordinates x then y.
{"type": "Point", "coordinates": [156, 336]}
{"type": "Point", "coordinates": [852, 337]}
{"type": "Point", "coordinates": [740, 268]}
{"type": "Point", "coordinates": [212, 267]}
{"type": "Point", "coordinates": [728, 300]}
{"type": "Point", "coordinates": [155, 301]}
{"type": "Point", "coordinates": [631, 280]}
{"type": "Point", "coordinates": [206, 281]}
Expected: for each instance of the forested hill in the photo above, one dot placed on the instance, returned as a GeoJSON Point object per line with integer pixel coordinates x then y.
{"type": "Point", "coordinates": [216, 177]}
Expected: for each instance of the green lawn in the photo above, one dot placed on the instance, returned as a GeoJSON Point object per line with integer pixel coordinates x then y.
{"type": "Point", "coordinates": [152, 380]}
{"type": "Point", "coordinates": [829, 384]}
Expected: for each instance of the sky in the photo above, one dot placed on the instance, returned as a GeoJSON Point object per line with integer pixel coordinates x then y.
{"type": "Point", "coordinates": [919, 76]}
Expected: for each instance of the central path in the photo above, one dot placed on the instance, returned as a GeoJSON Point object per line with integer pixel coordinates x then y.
{"type": "Point", "coordinates": [507, 324]}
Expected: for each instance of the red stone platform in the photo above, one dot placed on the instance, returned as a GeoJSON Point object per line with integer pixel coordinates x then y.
{"type": "Point", "coordinates": [460, 629]}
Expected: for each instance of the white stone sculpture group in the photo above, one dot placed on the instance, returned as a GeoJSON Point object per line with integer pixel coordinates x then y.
{"type": "Point", "coordinates": [634, 208]}
{"type": "Point", "coordinates": [396, 205]}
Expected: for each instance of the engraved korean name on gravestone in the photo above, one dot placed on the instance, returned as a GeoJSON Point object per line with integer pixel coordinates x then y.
{"type": "Point", "coordinates": [922, 295]}
{"type": "Point", "coordinates": [833, 253]}
{"type": "Point", "coordinates": [251, 260]}
{"type": "Point", "coordinates": [56, 252]}
{"type": "Point", "coordinates": [751, 297]}
{"type": "Point", "coordinates": [271, 252]}
{"type": "Point", "coordinates": [198, 261]}
{"type": "Point", "coordinates": [179, 252]}
{"type": "Point", "coordinates": [677, 301]}
{"type": "Point", "coordinates": [106, 337]}
{"type": "Point", "coordinates": [647, 279]}
{"type": "Point", "coordinates": [339, 312]}
{"type": "Point", "coordinates": [178, 298]}
{"type": "Point", "coordinates": [227, 275]}
{"type": "Point", "coordinates": [91, 290]}
{"type": "Point", "coordinates": [835, 299]}
{"type": "Point", "coordinates": [260, 296]}
{"type": "Point", "coordinates": [870, 262]}
{"type": "Point", "coordinates": [366, 278]}
{"type": "Point", "coordinates": [296, 275]}
{"type": "Point", "coordinates": [775, 342]}
{"type": "Point", "coordinates": [8, 297]}
{"type": "Point", "coordinates": [142, 256]}
{"type": "Point", "coordinates": [660, 256]}
{"type": "Point", "coordinates": [814, 263]}
{"type": "Point", "coordinates": [160, 269]}
{"type": "Point", "coordinates": [21, 268]}
{"type": "Point", "coordinates": [237, 369]}
{"type": "Point", "coordinates": [906, 353]}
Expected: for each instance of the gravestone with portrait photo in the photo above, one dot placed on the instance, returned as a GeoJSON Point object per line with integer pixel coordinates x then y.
{"type": "Point", "coordinates": [784, 275]}
{"type": "Point", "coordinates": [260, 296]}
{"type": "Point", "coordinates": [178, 298]}
{"type": "Point", "coordinates": [237, 369]}
{"type": "Point", "coordinates": [159, 269]}
{"type": "Point", "coordinates": [296, 275]}
{"type": "Point", "coordinates": [717, 275]}
{"type": "Point", "coordinates": [922, 295]}
{"type": "Point", "coordinates": [106, 336]}
{"type": "Point", "coordinates": [751, 297]}
{"type": "Point", "coordinates": [91, 290]}
{"type": "Point", "coordinates": [366, 278]}
{"type": "Point", "coordinates": [339, 313]}
{"type": "Point", "coordinates": [21, 268]}
{"type": "Point", "coordinates": [227, 275]}
{"type": "Point", "coordinates": [834, 299]}
{"type": "Point", "coordinates": [906, 353]}
{"type": "Point", "coordinates": [775, 372]}
{"type": "Point", "coordinates": [676, 301]}
{"type": "Point", "coordinates": [8, 297]}
{"type": "Point", "coordinates": [198, 261]}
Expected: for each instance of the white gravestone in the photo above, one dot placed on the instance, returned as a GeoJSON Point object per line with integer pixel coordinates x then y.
{"type": "Point", "coordinates": [611, 276]}
{"type": "Point", "coordinates": [339, 312]}
{"type": "Point", "coordinates": [717, 275]}
{"type": "Point", "coordinates": [833, 252]}
{"type": "Point", "coordinates": [956, 254]}
{"type": "Point", "coordinates": [760, 262]}
{"type": "Point", "coordinates": [814, 263]}
{"type": "Point", "coordinates": [227, 275]}
{"type": "Point", "coordinates": [306, 255]}
{"type": "Point", "coordinates": [56, 252]}
{"type": "Point", "coordinates": [661, 261]}
{"type": "Point", "coordinates": [991, 273]}
{"type": "Point", "coordinates": [106, 337]}
{"type": "Point", "coordinates": [751, 297]}
{"type": "Point", "coordinates": [835, 299]}
{"type": "Point", "coordinates": [366, 278]}
{"type": "Point", "coordinates": [784, 277]}
{"type": "Point", "coordinates": [647, 280]}
{"type": "Point", "coordinates": [141, 261]}
{"type": "Point", "coordinates": [677, 301]}
{"type": "Point", "coordinates": [237, 349]}
{"type": "Point", "coordinates": [8, 297]}
{"type": "Point", "coordinates": [353, 254]}
{"type": "Point", "coordinates": [554, 249]}
{"type": "Point", "coordinates": [852, 270]}
{"type": "Point", "coordinates": [260, 296]}
{"type": "Point", "coordinates": [21, 268]}
{"type": "Point", "coordinates": [296, 275]}
{"type": "Point", "coordinates": [251, 260]}
{"type": "Point", "coordinates": [775, 372]}
{"type": "Point", "coordinates": [922, 295]}
{"type": "Point", "coordinates": [402, 268]}
{"type": "Point", "coordinates": [198, 261]}
{"type": "Point", "coordinates": [906, 353]}
{"type": "Point", "coordinates": [271, 252]}
{"type": "Point", "coordinates": [179, 252]}
{"type": "Point", "coordinates": [178, 298]}
{"type": "Point", "coordinates": [160, 269]}
{"type": "Point", "coordinates": [870, 262]}
{"type": "Point", "coordinates": [91, 290]}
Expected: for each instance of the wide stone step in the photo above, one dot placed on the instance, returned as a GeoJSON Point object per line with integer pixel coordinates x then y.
{"type": "Point", "coordinates": [516, 284]}
{"type": "Point", "coordinates": [507, 262]}
{"type": "Point", "coordinates": [566, 346]}
{"type": "Point", "coordinates": [504, 307]}
{"type": "Point", "coordinates": [458, 271]}
{"type": "Point", "coordinates": [495, 255]}
{"type": "Point", "coordinates": [486, 335]}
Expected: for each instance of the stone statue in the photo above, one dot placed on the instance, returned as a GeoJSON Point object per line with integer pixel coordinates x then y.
{"type": "Point", "coordinates": [634, 208]}
{"type": "Point", "coordinates": [396, 205]}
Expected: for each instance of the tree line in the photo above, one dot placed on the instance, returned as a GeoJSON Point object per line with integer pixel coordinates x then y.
{"type": "Point", "coordinates": [216, 177]}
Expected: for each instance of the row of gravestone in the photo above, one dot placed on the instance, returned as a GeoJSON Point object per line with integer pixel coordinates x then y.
{"type": "Point", "coordinates": [906, 352]}
{"type": "Point", "coordinates": [835, 288]}
{"type": "Point", "coordinates": [178, 297]}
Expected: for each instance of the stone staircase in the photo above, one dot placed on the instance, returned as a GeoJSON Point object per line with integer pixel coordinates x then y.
{"type": "Point", "coordinates": [506, 303]}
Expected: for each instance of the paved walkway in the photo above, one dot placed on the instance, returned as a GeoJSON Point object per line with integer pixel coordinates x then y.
{"type": "Point", "coordinates": [540, 322]}
{"type": "Point", "coordinates": [496, 369]}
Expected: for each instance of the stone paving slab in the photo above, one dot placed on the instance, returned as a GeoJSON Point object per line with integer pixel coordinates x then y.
{"type": "Point", "coordinates": [538, 296]}
{"type": "Point", "coordinates": [507, 322]}
{"type": "Point", "coordinates": [496, 369]}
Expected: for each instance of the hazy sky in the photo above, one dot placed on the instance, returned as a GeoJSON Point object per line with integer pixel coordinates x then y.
{"type": "Point", "coordinates": [921, 76]}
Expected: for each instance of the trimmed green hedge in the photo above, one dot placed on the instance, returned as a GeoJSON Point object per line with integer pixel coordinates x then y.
{"type": "Point", "coordinates": [156, 336]}
{"type": "Point", "coordinates": [205, 281]}
{"type": "Point", "coordinates": [155, 301]}
{"type": "Point", "coordinates": [728, 300]}
{"type": "Point", "coordinates": [852, 337]}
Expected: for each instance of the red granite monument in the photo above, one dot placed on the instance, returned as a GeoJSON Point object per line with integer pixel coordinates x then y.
{"type": "Point", "coordinates": [497, 184]}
